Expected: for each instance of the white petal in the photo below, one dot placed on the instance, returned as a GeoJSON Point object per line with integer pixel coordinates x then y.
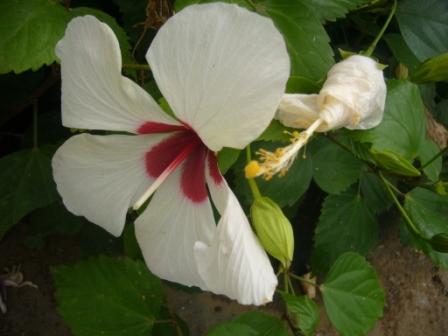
{"type": "Point", "coordinates": [234, 263]}
{"type": "Point", "coordinates": [100, 177]}
{"type": "Point", "coordinates": [300, 111]}
{"type": "Point", "coordinates": [358, 84]}
{"type": "Point", "coordinates": [94, 93]}
{"type": "Point", "coordinates": [168, 229]}
{"type": "Point", "coordinates": [223, 71]}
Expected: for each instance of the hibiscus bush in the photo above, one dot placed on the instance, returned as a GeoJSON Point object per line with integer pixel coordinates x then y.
{"type": "Point", "coordinates": [184, 141]}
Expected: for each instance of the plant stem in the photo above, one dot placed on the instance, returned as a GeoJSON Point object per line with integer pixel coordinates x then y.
{"type": "Point", "coordinates": [433, 159]}
{"type": "Point", "coordinates": [304, 280]}
{"type": "Point", "coordinates": [400, 208]}
{"type": "Point", "coordinates": [290, 283]}
{"type": "Point", "coordinates": [374, 43]}
{"type": "Point", "coordinates": [252, 184]}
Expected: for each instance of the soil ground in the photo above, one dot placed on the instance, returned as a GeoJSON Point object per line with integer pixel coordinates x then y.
{"type": "Point", "coordinates": [416, 292]}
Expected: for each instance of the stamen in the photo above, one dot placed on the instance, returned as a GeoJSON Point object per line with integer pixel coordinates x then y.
{"type": "Point", "coordinates": [282, 159]}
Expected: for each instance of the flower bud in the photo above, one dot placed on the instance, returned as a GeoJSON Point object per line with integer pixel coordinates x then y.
{"type": "Point", "coordinates": [273, 229]}
{"type": "Point", "coordinates": [353, 96]}
{"type": "Point", "coordinates": [394, 163]}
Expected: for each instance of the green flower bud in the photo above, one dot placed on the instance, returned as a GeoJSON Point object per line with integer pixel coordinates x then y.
{"type": "Point", "coordinates": [439, 242]}
{"type": "Point", "coordinates": [394, 163]}
{"type": "Point", "coordinates": [273, 229]}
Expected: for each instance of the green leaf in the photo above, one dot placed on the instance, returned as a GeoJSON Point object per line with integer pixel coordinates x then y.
{"type": "Point", "coordinates": [134, 14]}
{"type": "Point", "coordinates": [123, 39]}
{"type": "Point", "coordinates": [226, 158]}
{"type": "Point", "coordinates": [427, 210]}
{"type": "Point", "coordinates": [424, 26]}
{"type": "Point", "coordinates": [401, 51]}
{"type": "Point", "coordinates": [305, 310]}
{"type": "Point", "coordinates": [26, 183]}
{"type": "Point", "coordinates": [283, 191]}
{"type": "Point", "coordinates": [426, 151]}
{"type": "Point", "coordinates": [264, 324]}
{"type": "Point", "coordinates": [346, 223]}
{"type": "Point", "coordinates": [333, 9]}
{"type": "Point", "coordinates": [306, 39]}
{"type": "Point", "coordinates": [403, 124]}
{"type": "Point", "coordinates": [335, 169]}
{"type": "Point", "coordinates": [439, 242]}
{"type": "Point", "coordinates": [375, 193]}
{"type": "Point", "coordinates": [51, 219]}
{"type": "Point", "coordinates": [276, 131]}
{"type": "Point", "coordinates": [352, 295]}
{"type": "Point", "coordinates": [297, 84]}
{"type": "Point", "coordinates": [433, 70]}
{"type": "Point", "coordinates": [29, 31]}
{"type": "Point", "coordinates": [232, 329]}
{"type": "Point", "coordinates": [108, 296]}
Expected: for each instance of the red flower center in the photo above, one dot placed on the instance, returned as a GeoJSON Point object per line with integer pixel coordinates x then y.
{"type": "Point", "coordinates": [183, 146]}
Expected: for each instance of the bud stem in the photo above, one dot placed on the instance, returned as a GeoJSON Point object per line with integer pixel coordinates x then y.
{"type": "Point", "coordinates": [400, 208]}
{"type": "Point", "coordinates": [303, 280]}
{"type": "Point", "coordinates": [369, 51]}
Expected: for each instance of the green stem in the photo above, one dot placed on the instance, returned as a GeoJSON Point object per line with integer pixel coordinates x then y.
{"type": "Point", "coordinates": [285, 281]}
{"type": "Point", "coordinates": [252, 184]}
{"type": "Point", "coordinates": [136, 67]}
{"type": "Point", "coordinates": [290, 283]}
{"type": "Point", "coordinates": [304, 280]}
{"type": "Point", "coordinates": [35, 110]}
{"type": "Point", "coordinates": [374, 43]}
{"type": "Point", "coordinates": [400, 208]}
{"type": "Point", "coordinates": [433, 159]}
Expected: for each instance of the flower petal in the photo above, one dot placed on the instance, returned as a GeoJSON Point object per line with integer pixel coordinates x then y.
{"type": "Point", "coordinates": [94, 93]}
{"type": "Point", "coordinates": [300, 111]}
{"type": "Point", "coordinates": [100, 177]}
{"type": "Point", "coordinates": [168, 229]}
{"type": "Point", "coordinates": [234, 263]}
{"type": "Point", "coordinates": [223, 71]}
{"type": "Point", "coordinates": [358, 84]}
